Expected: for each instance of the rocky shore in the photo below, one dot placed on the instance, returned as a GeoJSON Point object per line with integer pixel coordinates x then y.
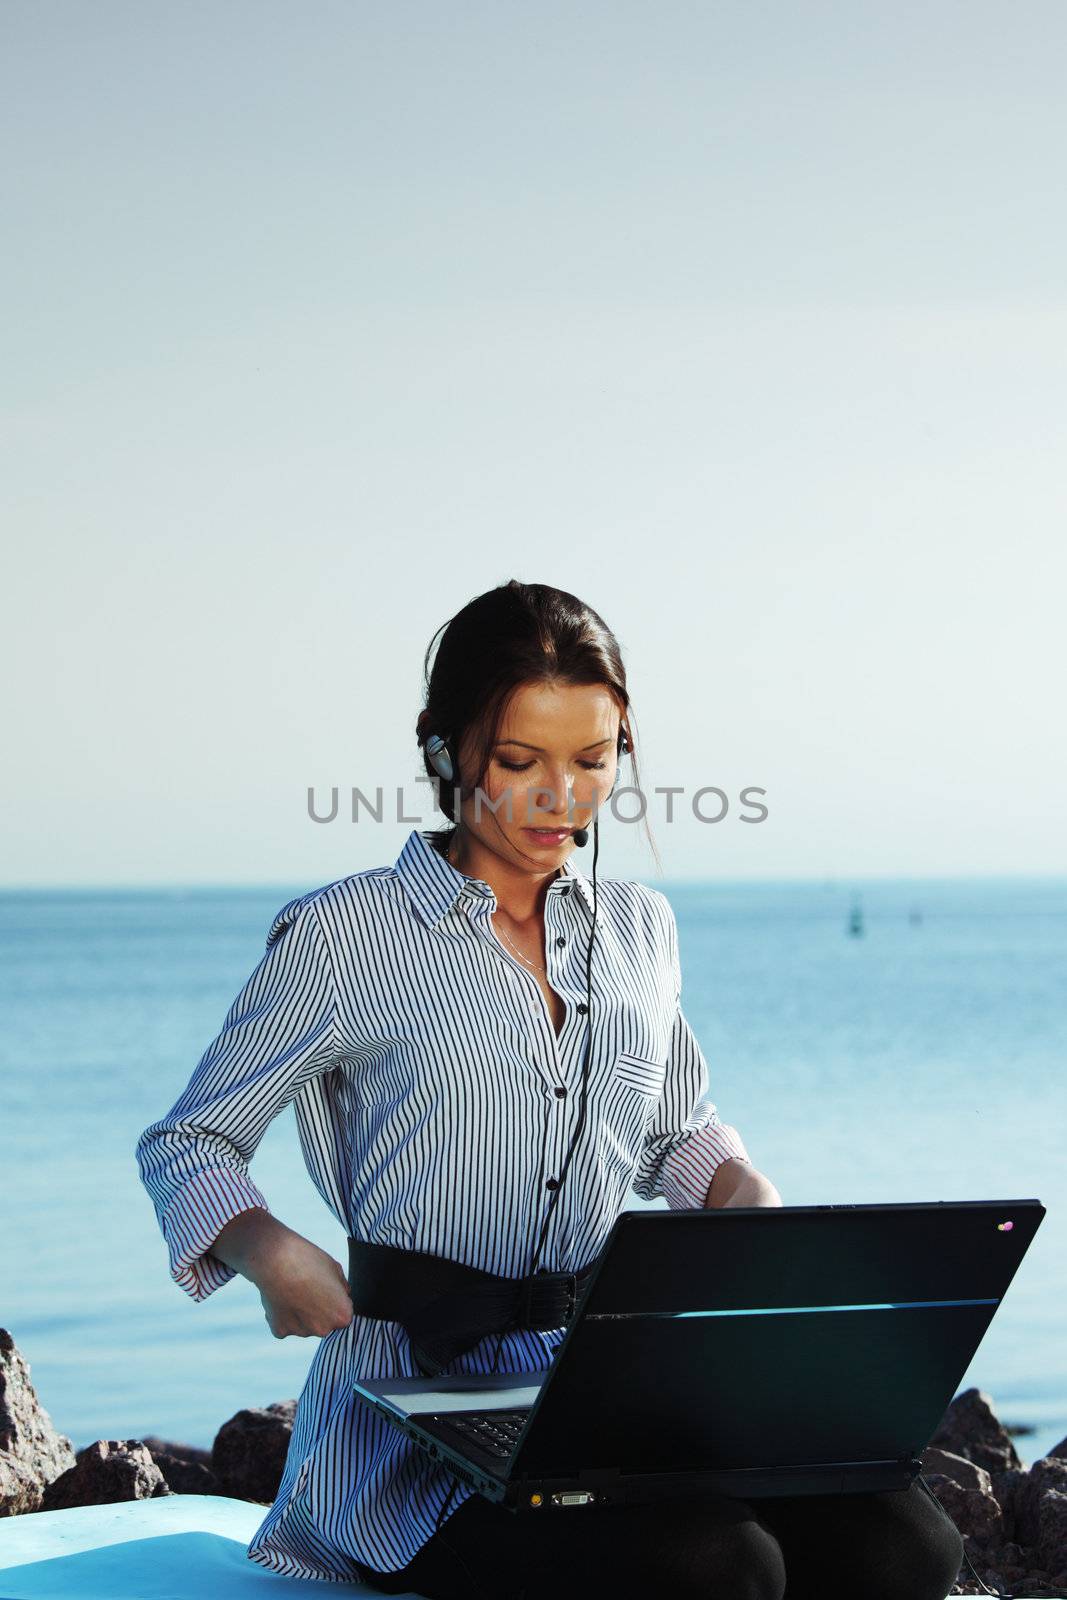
{"type": "Point", "coordinates": [1013, 1519]}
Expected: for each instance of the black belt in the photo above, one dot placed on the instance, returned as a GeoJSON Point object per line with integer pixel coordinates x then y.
{"type": "Point", "coordinates": [447, 1307]}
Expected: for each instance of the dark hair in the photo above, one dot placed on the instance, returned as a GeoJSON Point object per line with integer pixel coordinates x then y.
{"type": "Point", "coordinates": [515, 634]}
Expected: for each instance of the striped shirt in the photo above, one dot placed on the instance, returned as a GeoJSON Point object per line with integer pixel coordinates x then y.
{"type": "Point", "coordinates": [425, 1075]}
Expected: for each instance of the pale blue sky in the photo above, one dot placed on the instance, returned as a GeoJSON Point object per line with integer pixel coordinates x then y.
{"type": "Point", "coordinates": [747, 323]}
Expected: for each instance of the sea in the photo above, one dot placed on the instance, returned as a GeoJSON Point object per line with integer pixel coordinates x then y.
{"type": "Point", "coordinates": [873, 1041]}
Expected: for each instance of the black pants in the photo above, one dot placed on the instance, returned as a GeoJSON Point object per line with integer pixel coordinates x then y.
{"type": "Point", "coordinates": [894, 1545]}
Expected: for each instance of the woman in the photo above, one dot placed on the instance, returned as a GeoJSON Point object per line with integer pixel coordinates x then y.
{"type": "Point", "coordinates": [428, 1021]}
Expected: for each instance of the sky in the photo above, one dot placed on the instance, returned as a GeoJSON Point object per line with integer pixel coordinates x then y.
{"type": "Point", "coordinates": [744, 322]}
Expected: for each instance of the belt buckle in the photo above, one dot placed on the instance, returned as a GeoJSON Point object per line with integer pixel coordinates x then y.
{"type": "Point", "coordinates": [567, 1282]}
{"type": "Point", "coordinates": [550, 1284]}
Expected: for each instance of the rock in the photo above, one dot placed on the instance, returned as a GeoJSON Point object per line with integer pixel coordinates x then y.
{"type": "Point", "coordinates": [970, 1428]}
{"type": "Point", "coordinates": [186, 1477]}
{"type": "Point", "coordinates": [1026, 1553]}
{"type": "Point", "coordinates": [32, 1453]}
{"type": "Point", "coordinates": [1006, 1486]}
{"type": "Point", "coordinates": [958, 1468]}
{"type": "Point", "coordinates": [1059, 1450]}
{"type": "Point", "coordinates": [186, 1468]}
{"type": "Point", "coordinates": [248, 1456]}
{"type": "Point", "coordinates": [105, 1472]}
{"type": "Point", "coordinates": [974, 1510]}
{"type": "Point", "coordinates": [1001, 1580]}
{"type": "Point", "coordinates": [181, 1452]}
{"type": "Point", "coordinates": [1041, 1513]}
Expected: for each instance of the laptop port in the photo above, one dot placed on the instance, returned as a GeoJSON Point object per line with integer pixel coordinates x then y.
{"type": "Point", "coordinates": [573, 1497]}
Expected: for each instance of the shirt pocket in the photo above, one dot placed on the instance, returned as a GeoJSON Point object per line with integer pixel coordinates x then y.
{"type": "Point", "coordinates": [634, 1086]}
{"type": "Point", "coordinates": [640, 1073]}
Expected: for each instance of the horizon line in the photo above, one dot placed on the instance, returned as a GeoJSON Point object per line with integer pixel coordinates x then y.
{"type": "Point", "coordinates": [823, 880]}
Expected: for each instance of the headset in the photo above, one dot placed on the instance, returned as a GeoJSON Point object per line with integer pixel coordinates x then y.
{"type": "Point", "coordinates": [442, 756]}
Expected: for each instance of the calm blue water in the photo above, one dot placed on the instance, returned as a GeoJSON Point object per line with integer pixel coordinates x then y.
{"type": "Point", "coordinates": [923, 1061]}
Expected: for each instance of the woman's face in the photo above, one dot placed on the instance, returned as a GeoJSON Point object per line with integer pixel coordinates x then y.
{"type": "Point", "coordinates": [555, 755]}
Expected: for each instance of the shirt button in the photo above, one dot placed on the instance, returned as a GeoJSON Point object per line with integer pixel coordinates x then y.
{"type": "Point", "coordinates": [582, 1007]}
{"type": "Point", "coordinates": [560, 942]}
{"type": "Point", "coordinates": [551, 1183]}
{"type": "Point", "coordinates": [560, 1091]}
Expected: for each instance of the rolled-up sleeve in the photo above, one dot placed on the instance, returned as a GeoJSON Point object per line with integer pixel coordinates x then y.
{"type": "Point", "coordinates": [686, 1139]}
{"type": "Point", "coordinates": [279, 1032]}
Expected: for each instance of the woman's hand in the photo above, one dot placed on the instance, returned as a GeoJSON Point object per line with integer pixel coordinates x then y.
{"type": "Point", "coordinates": [303, 1289]}
{"type": "Point", "coordinates": [737, 1183]}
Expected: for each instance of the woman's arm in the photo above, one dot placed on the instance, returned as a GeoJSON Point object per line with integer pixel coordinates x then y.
{"type": "Point", "coordinates": [194, 1160]}
{"type": "Point", "coordinates": [738, 1183]}
{"type": "Point", "coordinates": [304, 1290]}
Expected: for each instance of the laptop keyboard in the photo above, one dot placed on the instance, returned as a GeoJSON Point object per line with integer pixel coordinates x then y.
{"type": "Point", "coordinates": [496, 1431]}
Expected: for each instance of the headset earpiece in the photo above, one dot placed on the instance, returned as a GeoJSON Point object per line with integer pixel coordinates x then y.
{"type": "Point", "coordinates": [622, 748]}
{"type": "Point", "coordinates": [439, 755]}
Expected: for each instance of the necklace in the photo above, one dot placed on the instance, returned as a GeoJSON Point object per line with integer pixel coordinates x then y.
{"type": "Point", "coordinates": [501, 930]}
{"type": "Point", "coordinates": [518, 952]}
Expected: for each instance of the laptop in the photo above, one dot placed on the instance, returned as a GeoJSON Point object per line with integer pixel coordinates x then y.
{"type": "Point", "coordinates": [747, 1351]}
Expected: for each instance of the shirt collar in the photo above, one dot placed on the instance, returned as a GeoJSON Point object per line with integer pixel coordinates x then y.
{"type": "Point", "coordinates": [434, 885]}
